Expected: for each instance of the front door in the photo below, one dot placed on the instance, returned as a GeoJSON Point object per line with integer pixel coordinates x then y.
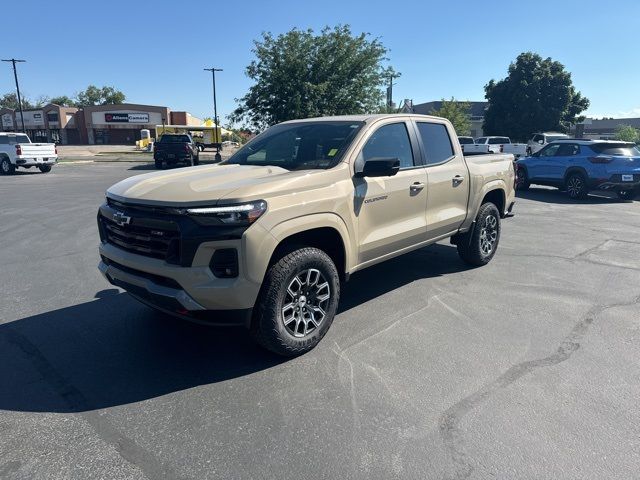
{"type": "Point", "coordinates": [540, 167]}
{"type": "Point", "coordinates": [390, 210]}
{"type": "Point", "coordinates": [448, 192]}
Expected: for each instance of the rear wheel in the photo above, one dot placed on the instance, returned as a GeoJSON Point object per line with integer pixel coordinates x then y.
{"type": "Point", "coordinates": [478, 246]}
{"type": "Point", "coordinates": [6, 167]}
{"type": "Point", "coordinates": [297, 303]}
{"type": "Point", "coordinates": [576, 186]}
{"type": "Point", "coordinates": [45, 168]}
{"type": "Point", "coordinates": [196, 160]}
{"type": "Point", "coordinates": [522, 180]}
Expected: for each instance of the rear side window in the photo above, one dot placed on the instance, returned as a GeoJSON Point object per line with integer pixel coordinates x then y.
{"type": "Point", "coordinates": [390, 141]}
{"type": "Point", "coordinates": [465, 140]}
{"type": "Point", "coordinates": [436, 141]}
{"type": "Point", "coordinates": [13, 139]}
{"type": "Point", "coordinates": [498, 140]}
{"type": "Point", "coordinates": [568, 150]}
{"type": "Point", "coordinates": [621, 149]}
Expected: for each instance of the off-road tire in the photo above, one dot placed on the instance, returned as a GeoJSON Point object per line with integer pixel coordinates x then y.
{"type": "Point", "coordinates": [44, 168]}
{"type": "Point", "coordinates": [267, 326]}
{"type": "Point", "coordinates": [470, 243]}
{"type": "Point", "coordinates": [6, 167]}
{"type": "Point", "coordinates": [576, 186]}
{"type": "Point", "coordinates": [522, 182]}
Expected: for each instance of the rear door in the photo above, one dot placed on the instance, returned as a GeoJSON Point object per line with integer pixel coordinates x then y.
{"type": "Point", "coordinates": [391, 210]}
{"type": "Point", "coordinates": [448, 190]}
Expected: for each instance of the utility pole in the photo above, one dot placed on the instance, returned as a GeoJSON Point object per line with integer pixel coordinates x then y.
{"type": "Point", "coordinates": [213, 71]}
{"type": "Point", "coordinates": [390, 90]}
{"type": "Point", "coordinates": [15, 74]}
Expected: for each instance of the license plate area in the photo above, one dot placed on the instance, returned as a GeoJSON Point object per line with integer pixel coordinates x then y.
{"type": "Point", "coordinates": [627, 178]}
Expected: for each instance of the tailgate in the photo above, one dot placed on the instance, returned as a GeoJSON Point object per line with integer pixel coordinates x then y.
{"type": "Point", "coordinates": [38, 150]}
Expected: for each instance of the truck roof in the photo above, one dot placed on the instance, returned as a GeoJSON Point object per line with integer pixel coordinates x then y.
{"type": "Point", "coordinates": [362, 118]}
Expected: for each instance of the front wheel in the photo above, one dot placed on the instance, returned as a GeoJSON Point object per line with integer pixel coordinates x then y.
{"type": "Point", "coordinates": [6, 167]}
{"type": "Point", "coordinates": [478, 246]}
{"type": "Point", "coordinates": [45, 168]}
{"type": "Point", "coordinates": [297, 303]}
{"type": "Point", "coordinates": [522, 179]}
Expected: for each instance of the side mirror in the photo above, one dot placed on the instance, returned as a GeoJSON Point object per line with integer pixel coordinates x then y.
{"type": "Point", "coordinates": [541, 142]}
{"type": "Point", "coordinates": [379, 167]}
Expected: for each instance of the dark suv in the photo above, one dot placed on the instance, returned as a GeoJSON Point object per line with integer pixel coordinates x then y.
{"type": "Point", "coordinates": [174, 148]}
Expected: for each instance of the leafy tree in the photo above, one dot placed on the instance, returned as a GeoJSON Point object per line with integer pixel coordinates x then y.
{"type": "Point", "coordinates": [301, 74]}
{"type": "Point", "coordinates": [457, 113]}
{"type": "Point", "coordinates": [537, 95]}
{"type": "Point", "coordinates": [10, 100]}
{"type": "Point", "coordinates": [63, 101]}
{"type": "Point", "coordinates": [627, 133]}
{"type": "Point", "coordinates": [93, 95]}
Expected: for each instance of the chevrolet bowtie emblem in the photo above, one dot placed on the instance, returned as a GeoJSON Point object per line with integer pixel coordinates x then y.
{"type": "Point", "coordinates": [121, 219]}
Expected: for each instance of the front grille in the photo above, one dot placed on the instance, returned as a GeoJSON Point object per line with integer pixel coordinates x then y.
{"type": "Point", "coordinates": [148, 240]}
{"type": "Point", "coordinates": [157, 279]}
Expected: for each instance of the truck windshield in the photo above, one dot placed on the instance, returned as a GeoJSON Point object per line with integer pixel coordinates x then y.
{"type": "Point", "coordinates": [299, 146]}
{"type": "Point", "coordinates": [175, 139]}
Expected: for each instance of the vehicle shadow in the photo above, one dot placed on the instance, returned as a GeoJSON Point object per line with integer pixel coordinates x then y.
{"type": "Point", "coordinates": [552, 195]}
{"type": "Point", "coordinates": [151, 166]}
{"type": "Point", "coordinates": [114, 351]}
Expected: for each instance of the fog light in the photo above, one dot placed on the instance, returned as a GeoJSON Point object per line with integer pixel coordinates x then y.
{"type": "Point", "coordinates": [224, 263]}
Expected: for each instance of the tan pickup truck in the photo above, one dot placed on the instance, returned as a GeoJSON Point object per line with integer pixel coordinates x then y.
{"type": "Point", "coordinates": [265, 238]}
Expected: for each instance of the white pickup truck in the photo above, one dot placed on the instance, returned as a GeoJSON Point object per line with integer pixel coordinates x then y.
{"type": "Point", "coordinates": [16, 150]}
{"type": "Point", "coordinates": [496, 145]}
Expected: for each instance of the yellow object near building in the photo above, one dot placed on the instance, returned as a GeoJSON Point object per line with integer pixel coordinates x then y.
{"type": "Point", "coordinates": [207, 135]}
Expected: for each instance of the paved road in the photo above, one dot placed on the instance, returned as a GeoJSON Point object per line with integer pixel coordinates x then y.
{"type": "Point", "coordinates": [526, 368]}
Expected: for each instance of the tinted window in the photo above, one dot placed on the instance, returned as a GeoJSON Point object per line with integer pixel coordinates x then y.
{"type": "Point", "coordinates": [622, 149]}
{"type": "Point", "coordinates": [481, 140]}
{"type": "Point", "coordinates": [549, 150]}
{"type": "Point", "coordinates": [52, 117]}
{"type": "Point", "coordinates": [465, 140]}
{"type": "Point", "coordinates": [537, 138]}
{"type": "Point", "coordinates": [436, 141]}
{"type": "Point", "coordinates": [498, 140]}
{"type": "Point", "coordinates": [13, 139]}
{"type": "Point", "coordinates": [175, 139]}
{"type": "Point", "coordinates": [390, 141]}
{"type": "Point", "coordinates": [299, 146]}
{"type": "Point", "coordinates": [567, 150]}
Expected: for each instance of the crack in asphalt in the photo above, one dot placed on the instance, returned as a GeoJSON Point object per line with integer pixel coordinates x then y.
{"type": "Point", "coordinates": [448, 424]}
{"type": "Point", "coordinates": [127, 448]}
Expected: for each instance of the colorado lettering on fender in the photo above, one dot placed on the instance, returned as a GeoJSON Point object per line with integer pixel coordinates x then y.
{"type": "Point", "coordinates": [376, 199]}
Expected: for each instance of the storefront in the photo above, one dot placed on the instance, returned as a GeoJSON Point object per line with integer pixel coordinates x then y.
{"type": "Point", "coordinates": [121, 124]}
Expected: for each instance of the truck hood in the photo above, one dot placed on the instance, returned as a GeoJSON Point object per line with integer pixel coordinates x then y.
{"type": "Point", "coordinates": [206, 184]}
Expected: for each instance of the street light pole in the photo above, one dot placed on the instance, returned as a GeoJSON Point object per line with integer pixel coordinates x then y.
{"type": "Point", "coordinates": [15, 74]}
{"type": "Point", "coordinates": [213, 71]}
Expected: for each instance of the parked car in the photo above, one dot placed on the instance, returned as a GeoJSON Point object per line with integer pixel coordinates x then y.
{"type": "Point", "coordinates": [465, 141]}
{"type": "Point", "coordinates": [16, 150]}
{"type": "Point", "coordinates": [175, 148]}
{"type": "Point", "coordinates": [580, 166]}
{"type": "Point", "coordinates": [229, 143]}
{"type": "Point", "coordinates": [266, 238]}
{"type": "Point", "coordinates": [539, 140]}
{"type": "Point", "coordinates": [503, 145]}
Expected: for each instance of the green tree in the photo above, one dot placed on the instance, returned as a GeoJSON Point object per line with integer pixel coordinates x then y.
{"type": "Point", "coordinates": [93, 95]}
{"type": "Point", "coordinates": [457, 113]}
{"type": "Point", "coordinates": [301, 74]}
{"type": "Point", "coordinates": [10, 100]}
{"type": "Point", "coordinates": [627, 133]}
{"type": "Point", "coordinates": [537, 95]}
{"type": "Point", "coordinates": [63, 101]}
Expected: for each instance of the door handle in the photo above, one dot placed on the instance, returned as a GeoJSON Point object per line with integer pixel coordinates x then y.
{"type": "Point", "coordinates": [457, 180]}
{"type": "Point", "coordinates": [416, 187]}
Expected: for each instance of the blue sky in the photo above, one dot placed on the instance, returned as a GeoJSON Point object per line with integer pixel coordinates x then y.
{"type": "Point", "coordinates": [155, 51]}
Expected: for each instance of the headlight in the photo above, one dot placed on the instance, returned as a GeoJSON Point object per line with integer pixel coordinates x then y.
{"type": "Point", "coordinates": [240, 214]}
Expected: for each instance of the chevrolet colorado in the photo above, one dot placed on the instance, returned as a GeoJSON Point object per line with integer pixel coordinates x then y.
{"type": "Point", "coordinates": [265, 238]}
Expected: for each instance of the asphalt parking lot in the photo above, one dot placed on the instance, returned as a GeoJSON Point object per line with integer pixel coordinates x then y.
{"type": "Point", "coordinates": [526, 368]}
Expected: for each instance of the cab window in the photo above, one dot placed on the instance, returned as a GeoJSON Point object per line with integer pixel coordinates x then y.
{"type": "Point", "coordinates": [389, 141]}
{"type": "Point", "coordinates": [436, 142]}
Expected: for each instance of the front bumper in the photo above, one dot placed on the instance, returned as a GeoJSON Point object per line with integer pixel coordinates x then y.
{"type": "Point", "coordinates": [161, 294]}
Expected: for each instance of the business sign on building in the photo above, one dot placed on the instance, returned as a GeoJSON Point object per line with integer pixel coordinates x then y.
{"type": "Point", "coordinates": [7, 120]}
{"type": "Point", "coordinates": [126, 117]}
